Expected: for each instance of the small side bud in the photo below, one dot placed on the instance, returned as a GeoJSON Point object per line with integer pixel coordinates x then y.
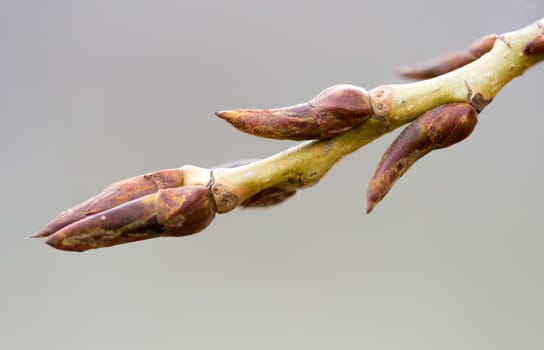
{"type": "Point", "coordinates": [169, 212]}
{"type": "Point", "coordinates": [114, 195]}
{"type": "Point", "coordinates": [268, 197]}
{"type": "Point", "coordinates": [535, 46]}
{"type": "Point", "coordinates": [438, 128]}
{"type": "Point", "coordinates": [334, 111]}
{"type": "Point", "coordinates": [445, 64]}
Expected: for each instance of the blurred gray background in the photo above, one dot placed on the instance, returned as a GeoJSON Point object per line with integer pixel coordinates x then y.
{"type": "Point", "coordinates": [96, 91]}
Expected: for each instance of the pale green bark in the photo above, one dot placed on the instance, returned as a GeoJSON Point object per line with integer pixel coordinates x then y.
{"type": "Point", "coordinates": [393, 105]}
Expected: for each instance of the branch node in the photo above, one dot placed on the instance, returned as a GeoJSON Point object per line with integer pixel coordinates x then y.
{"type": "Point", "coordinates": [225, 200]}
{"type": "Point", "coordinates": [380, 101]}
{"type": "Point", "coordinates": [504, 40]}
{"type": "Point", "coordinates": [540, 26]}
{"type": "Point", "coordinates": [477, 100]}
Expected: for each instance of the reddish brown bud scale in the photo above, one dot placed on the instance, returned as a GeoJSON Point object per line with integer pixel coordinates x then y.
{"type": "Point", "coordinates": [108, 228]}
{"type": "Point", "coordinates": [482, 45]}
{"type": "Point", "coordinates": [114, 195]}
{"type": "Point", "coordinates": [169, 212]}
{"type": "Point", "coordinates": [535, 46]}
{"type": "Point", "coordinates": [449, 124]}
{"type": "Point", "coordinates": [184, 210]}
{"type": "Point", "coordinates": [268, 197]}
{"type": "Point", "coordinates": [438, 128]}
{"type": "Point", "coordinates": [334, 111]}
{"type": "Point", "coordinates": [445, 64]}
{"type": "Point", "coordinates": [339, 108]}
{"type": "Point", "coordinates": [289, 123]}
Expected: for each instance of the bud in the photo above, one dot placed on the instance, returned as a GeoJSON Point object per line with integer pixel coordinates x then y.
{"type": "Point", "coordinates": [535, 46]}
{"type": "Point", "coordinates": [438, 128]}
{"type": "Point", "coordinates": [334, 111]}
{"type": "Point", "coordinates": [184, 210]}
{"type": "Point", "coordinates": [169, 212]}
{"type": "Point", "coordinates": [268, 197]}
{"type": "Point", "coordinates": [445, 64]}
{"type": "Point", "coordinates": [114, 195]}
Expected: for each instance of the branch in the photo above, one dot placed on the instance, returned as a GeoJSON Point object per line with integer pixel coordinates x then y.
{"type": "Point", "coordinates": [442, 109]}
{"type": "Point", "coordinates": [393, 105]}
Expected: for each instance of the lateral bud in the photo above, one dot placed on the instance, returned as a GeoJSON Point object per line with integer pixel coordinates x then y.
{"type": "Point", "coordinates": [445, 64]}
{"type": "Point", "coordinates": [267, 197]}
{"type": "Point", "coordinates": [334, 111]}
{"type": "Point", "coordinates": [535, 46]}
{"type": "Point", "coordinates": [438, 128]}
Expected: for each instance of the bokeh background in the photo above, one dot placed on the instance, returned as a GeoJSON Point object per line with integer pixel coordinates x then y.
{"type": "Point", "coordinates": [97, 91]}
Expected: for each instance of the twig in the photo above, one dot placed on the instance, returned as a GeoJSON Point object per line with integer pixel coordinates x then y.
{"type": "Point", "coordinates": [183, 201]}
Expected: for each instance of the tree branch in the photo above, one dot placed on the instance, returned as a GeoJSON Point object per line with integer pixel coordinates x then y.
{"type": "Point", "coordinates": [393, 105]}
{"type": "Point", "coordinates": [183, 201]}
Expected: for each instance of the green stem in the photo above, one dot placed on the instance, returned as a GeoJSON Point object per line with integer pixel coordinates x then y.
{"type": "Point", "coordinates": [393, 105]}
{"type": "Point", "coordinates": [477, 83]}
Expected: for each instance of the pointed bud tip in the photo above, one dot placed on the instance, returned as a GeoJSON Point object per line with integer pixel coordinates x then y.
{"type": "Point", "coordinates": [409, 72]}
{"type": "Point", "coordinates": [227, 115]}
{"type": "Point", "coordinates": [370, 205]}
{"type": "Point", "coordinates": [59, 243]}
{"type": "Point", "coordinates": [51, 242]}
{"type": "Point", "coordinates": [55, 242]}
{"type": "Point", "coordinates": [43, 233]}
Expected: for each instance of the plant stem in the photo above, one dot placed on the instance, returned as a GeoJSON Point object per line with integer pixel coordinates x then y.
{"type": "Point", "coordinates": [393, 105]}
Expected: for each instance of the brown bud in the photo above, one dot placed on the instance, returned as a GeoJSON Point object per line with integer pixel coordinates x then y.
{"type": "Point", "coordinates": [445, 64]}
{"type": "Point", "coordinates": [184, 210]}
{"type": "Point", "coordinates": [114, 195]}
{"type": "Point", "coordinates": [268, 197]}
{"type": "Point", "coordinates": [438, 128]}
{"type": "Point", "coordinates": [535, 46]}
{"type": "Point", "coordinates": [169, 212]}
{"type": "Point", "coordinates": [339, 108]}
{"type": "Point", "coordinates": [334, 111]}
